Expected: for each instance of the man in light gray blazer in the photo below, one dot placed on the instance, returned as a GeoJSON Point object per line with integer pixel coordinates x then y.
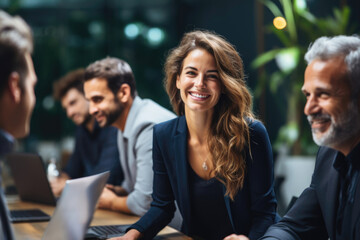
{"type": "Point", "coordinates": [110, 88]}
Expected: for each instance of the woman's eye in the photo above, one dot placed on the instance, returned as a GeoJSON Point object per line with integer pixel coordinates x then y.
{"type": "Point", "coordinates": [214, 77]}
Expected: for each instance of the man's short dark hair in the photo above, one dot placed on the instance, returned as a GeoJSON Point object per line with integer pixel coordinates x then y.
{"type": "Point", "coordinates": [115, 71]}
{"type": "Point", "coordinates": [73, 79]}
{"type": "Point", "coordinates": [15, 42]}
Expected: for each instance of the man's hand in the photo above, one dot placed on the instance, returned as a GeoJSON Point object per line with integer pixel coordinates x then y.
{"type": "Point", "coordinates": [107, 199]}
{"type": "Point", "coordinates": [118, 190]}
{"type": "Point", "coordinates": [236, 237]}
{"type": "Point", "coordinates": [110, 200]}
{"type": "Point", "coordinates": [132, 234]}
{"type": "Point", "coordinates": [58, 184]}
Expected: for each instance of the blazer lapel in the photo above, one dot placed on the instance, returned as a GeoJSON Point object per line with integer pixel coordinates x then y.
{"type": "Point", "coordinates": [331, 200]}
{"type": "Point", "coordinates": [180, 148]}
{"type": "Point", "coordinates": [228, 208]}
{"type": "Point", "coordinates": [356, 209]}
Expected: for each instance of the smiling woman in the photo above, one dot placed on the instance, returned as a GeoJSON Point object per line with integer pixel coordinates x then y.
{"type": "Point", "coordinates": [199, 83]}
{"type": "Point", "coordinates": [200, 158]}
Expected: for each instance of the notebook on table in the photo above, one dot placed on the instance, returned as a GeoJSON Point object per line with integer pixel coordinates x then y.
{"type": "Point", "coordinates": [75, 208]}
{"type": "Point", "coordinates": [30, 178]}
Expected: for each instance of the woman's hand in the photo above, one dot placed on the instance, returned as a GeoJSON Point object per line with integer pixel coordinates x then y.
{"type": "Point", "coordinates": [236, 237]}
{"type": "Point", "coordinates": [132, 234]}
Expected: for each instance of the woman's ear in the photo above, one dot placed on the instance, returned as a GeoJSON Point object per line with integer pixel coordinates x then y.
{"type": "Point", "coordinates": [124, 93]}
{"type": "Point", "coordinates": [14, 87]}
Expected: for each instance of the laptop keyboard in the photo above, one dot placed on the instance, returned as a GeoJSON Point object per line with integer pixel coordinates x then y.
{"type": "Point", "coordinates": [28, 215]}
{"type": "Point", "coordinates": [109, 229]}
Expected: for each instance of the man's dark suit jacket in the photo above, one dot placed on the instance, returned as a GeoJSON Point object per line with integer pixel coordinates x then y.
{"type": "Point", "coordinates": [313, 215]}
{"type": "Point", "coordinates": [6, 232]}
{"type": "Point", "coordinates": [254, 207]}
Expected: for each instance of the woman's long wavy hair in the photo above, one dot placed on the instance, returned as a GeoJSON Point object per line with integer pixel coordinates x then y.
{"type": "Point", "coordinates": [229, 134]}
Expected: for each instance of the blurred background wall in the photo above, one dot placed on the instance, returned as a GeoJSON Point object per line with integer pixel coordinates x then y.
{"type": "Point", "coordinates": [73, 33]}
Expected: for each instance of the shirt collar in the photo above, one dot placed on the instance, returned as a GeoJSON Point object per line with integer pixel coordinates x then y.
{"type": "Point", "coordinates": [7, 142]}
{"type": "Point", "coordinates": [135, 107]}
{"type": "Point", "coordinates": [342, 162]}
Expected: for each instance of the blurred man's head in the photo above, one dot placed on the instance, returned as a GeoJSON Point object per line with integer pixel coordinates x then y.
{"type": "Point", "coordinates": [110, 88]}
{"type": "Point", "coordinates": [69, 91]}
{"type": "Point", "coordinates": [17, 75]}
{"type": "Point", "coordinates": [331, 86]}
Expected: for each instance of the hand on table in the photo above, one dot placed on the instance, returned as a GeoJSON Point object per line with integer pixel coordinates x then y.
{"type": "Point", "coordinates": [236, 237]}
{"type": "Point", "coordinates": [57, 184]}
{"type": "Point", "coordinates": [106, 199]}
{"type": "Point", "coordinates": [110, 199]}
{"type": "Point", "coordinates": [132, 234]}
{"type": "Point", "coordinates": [118, 190]}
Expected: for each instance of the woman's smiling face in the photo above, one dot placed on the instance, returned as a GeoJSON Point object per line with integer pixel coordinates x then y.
{"type": "Point", "coordinates": [199, 81]}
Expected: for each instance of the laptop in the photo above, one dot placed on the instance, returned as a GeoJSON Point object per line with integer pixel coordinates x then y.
{"type": "Point", "coordinates": [30, 178]}
{"type": "Point", "coordinates": [105, 231]}
{"type": "Point", "coordinates": [75, 208]}
{"type": "Point", "coordinates": [28, 215]}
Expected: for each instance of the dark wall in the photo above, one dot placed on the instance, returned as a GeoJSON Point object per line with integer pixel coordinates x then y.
{"type": "Point", "coordinates": [72, 34]}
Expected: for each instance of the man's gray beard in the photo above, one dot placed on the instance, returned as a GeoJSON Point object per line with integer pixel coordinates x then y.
{"type": "Point", "coordinates": [346, 127]}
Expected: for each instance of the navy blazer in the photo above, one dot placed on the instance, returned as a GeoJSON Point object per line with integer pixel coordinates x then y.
{"type": "Point", "coordinates": [254, 207]}
{"type": "Point", "coordinates": [313, 215]}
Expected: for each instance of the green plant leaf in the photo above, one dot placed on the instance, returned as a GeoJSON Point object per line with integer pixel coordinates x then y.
{"type": "Point", "coordinates": [289, 16]}
{"type": "Point", "coordinates": [308, 16]}
{"type": "Point", "coordinates": [272, 7]}
{"type": "Point", "coordinates": [288, 134]}
{"type": "Point", "coordinates": [283, 36]}
{"type": "Point", "coordinates": [264, 58]}
{"type": "Point", "coordinates": [287, 59]}
{"type": "Point", "coordinates": [261, 84]}
{"type": "Point", "coordinates": [275, 80]}
{"type": "Point", "coordinates": [302, 29]}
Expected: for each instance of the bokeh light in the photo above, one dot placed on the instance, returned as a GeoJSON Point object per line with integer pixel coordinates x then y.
{"type": "Point", "coordinates": [279, 22]}
{"type": "Point", "coordinates": [155, 36]}
{"type": "Point", "coordinates": [132, 30]}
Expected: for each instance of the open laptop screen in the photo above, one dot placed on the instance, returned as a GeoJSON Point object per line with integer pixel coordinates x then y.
{"type": "Point", "coordinates": [75, 208]}
{"type": "Point", "coordinates": [30, 178]}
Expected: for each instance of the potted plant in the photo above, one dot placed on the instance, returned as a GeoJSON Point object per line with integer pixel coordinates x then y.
{"type": "Point", "coordinates": [294, 137]}
{"type": "Point", "coordinates": [302, 28]}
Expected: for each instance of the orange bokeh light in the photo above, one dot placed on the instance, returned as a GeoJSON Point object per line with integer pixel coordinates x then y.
{"type": "Point", "coordinates": [279, 22]}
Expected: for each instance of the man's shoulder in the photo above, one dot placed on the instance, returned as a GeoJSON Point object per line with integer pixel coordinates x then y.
{"type": "Point", "coordinates": [108, 130]}
{"type": "Point", "coordinates": [143, 115]}
{"type": "Point", "coordinates": [80, 131]}
{"type": "Point", "coordinates": [326, 152]}
{"type": "Point", "coordinates": [6, 142]}
{"type": "Point", "coordinates": [324, 162]}
{"type": "Point", "coordinates": [150, 111]}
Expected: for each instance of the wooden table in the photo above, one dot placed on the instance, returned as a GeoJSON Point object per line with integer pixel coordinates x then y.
{"type": "Point", "coordinates": [35, 230]}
